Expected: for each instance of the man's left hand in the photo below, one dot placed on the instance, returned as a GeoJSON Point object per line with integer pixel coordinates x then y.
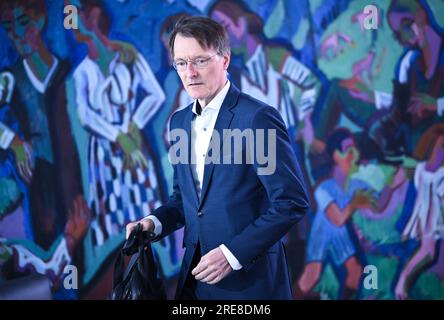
{"type": "Point", "coordinates": [212, 267]}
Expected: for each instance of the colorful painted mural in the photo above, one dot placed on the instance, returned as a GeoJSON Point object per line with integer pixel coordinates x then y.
{"type": "Point", "coordinates": [86, 95]}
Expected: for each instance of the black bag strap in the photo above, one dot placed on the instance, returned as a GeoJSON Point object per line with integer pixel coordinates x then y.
{"type": "Point", "coordinates": [146, 258]}
{"type": "Point", "coordinates": [138, 245]}
{"type": "Point", "coordinates": [129, 248]}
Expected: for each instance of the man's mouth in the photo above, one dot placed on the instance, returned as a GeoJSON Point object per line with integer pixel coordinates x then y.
{"type": "Point", "coordinates": [195, 84]}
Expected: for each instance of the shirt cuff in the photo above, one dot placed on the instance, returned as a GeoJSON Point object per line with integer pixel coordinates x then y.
{"type": "Point", "coordinates": [157, 224]}
{"type": "Point", "coordinates": [234, 263]}
{"type": "Point", "coordinates": [440, 106]}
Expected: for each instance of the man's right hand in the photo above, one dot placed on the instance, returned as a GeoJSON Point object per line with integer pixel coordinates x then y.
{"type": "Point", "coordinates": [147, 225]}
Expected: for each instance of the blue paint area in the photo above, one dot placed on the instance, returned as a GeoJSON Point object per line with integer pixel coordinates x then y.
{"type": "Point", "coordinates": [340, 100]}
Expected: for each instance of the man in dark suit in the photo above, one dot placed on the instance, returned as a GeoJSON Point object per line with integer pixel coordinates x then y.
{"type": "Point", "coordinates": [235, 212]}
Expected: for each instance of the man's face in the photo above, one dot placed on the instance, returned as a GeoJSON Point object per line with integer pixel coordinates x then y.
{"type": "Point", "coordinates": [200, 83]}
{"type": "Point", "coordinates": [23, 30]}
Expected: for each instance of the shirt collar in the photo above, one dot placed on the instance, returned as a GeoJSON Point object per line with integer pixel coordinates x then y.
{"type": "Point", "coordinates": [215, 104]}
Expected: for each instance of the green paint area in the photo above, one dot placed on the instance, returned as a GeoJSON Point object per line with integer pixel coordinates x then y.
{"type": "Point", "coordinates": [95, 256]}
{"type": "Point", "coordinates": [387, 50]}
{"type": "Point", "coordinates": [81, 136]}
{"type": "Point", "coordinates": [379, 231]}
{"type": "Point", "coordinates": [298, 40]}
{"type": "Point", "coordinates": [428, 285]}
{"type": "Point", "coordinates": [5, 254]}
{"type": "Point", "coordinates": [328, 286]}
{"type": "Point", "coordinates": [274, 22]}
{"type": "Point", "coordinates": [10, 195]}
{"type": "Point", "coordinates": [435, 7]}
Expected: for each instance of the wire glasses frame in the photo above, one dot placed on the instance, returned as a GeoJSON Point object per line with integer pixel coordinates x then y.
{"type": "Point", "coordinates": [198, 63]}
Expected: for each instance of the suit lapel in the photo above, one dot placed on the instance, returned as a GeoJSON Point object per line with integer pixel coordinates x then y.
{"type": "Point", "coordinates": [223, 122]}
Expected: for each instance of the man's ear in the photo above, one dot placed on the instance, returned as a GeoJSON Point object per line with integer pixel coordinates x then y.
{"type": "Point", "coordinates": [227, 59]}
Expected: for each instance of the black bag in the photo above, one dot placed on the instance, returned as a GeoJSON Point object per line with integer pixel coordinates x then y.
{"type": "Point", "coordinates": [139, 281]}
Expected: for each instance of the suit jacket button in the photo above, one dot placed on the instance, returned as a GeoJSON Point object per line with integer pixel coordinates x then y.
{"type": "Point", "coordinates": [199, 213]}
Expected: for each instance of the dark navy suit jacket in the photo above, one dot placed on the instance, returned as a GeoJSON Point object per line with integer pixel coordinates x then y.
{"type": "Point", "coordinates": [248, 212]}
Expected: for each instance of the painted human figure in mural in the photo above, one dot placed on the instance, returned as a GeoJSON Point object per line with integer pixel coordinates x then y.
{"type": "Point", "coordinates": [9, 137]}
{"type": "Point", "coordinates": [271, 73]}
{"type": "Point", "coordinates": [124, 184]}
{"type": "Point", "coordinates": [55, 193]}
{"type": "Point", "coordinates": [426, 224]}
{"type": "Point", "coordinates": [352, 99]}
{"type": "Point", "coordinates": [16, 164]}
{"type": "Point", "coordinates": [418, 97]}
{"type": "Point", "coordinates": [338, 198]}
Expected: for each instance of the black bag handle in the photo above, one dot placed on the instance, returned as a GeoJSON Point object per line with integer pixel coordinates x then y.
{"type": "Point", "coordinates": [128, 249]}
{"type": "Point", "coordinates": [138, 245]}
{"type": "Point", "coordinates": [146, 258]}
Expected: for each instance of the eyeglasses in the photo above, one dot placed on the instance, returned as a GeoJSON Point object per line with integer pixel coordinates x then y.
{"type": "Point", "coordinates": [198, 63]}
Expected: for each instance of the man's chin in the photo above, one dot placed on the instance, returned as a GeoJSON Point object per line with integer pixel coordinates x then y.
{"type": "Point", "coordinates": [194, 95]}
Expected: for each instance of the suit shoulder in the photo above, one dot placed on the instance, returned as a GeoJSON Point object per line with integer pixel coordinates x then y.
{"type": "Point", "coordinates": [251, 105]}
{"type": "Point", "coordinates": [254, 107]}
{"type": "Point", "coordinates": [179, 115]}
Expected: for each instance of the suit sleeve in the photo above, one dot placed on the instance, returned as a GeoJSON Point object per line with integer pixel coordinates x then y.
{"type": "Point", "coordinates": [285, 189]}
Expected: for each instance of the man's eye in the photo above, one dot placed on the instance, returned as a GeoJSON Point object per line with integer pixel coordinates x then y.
{"type": "Point", "coordinates": [180, 64]}
{"type": "Point", "coordinates": [199, 61]}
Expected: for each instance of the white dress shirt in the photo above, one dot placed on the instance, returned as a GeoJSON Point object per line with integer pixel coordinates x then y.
{"type": "Point", "coordinates": [202, 127]}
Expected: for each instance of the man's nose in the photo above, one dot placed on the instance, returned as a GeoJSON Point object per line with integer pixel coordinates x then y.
{"type": "Point", "coordinates": [191, 70]}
